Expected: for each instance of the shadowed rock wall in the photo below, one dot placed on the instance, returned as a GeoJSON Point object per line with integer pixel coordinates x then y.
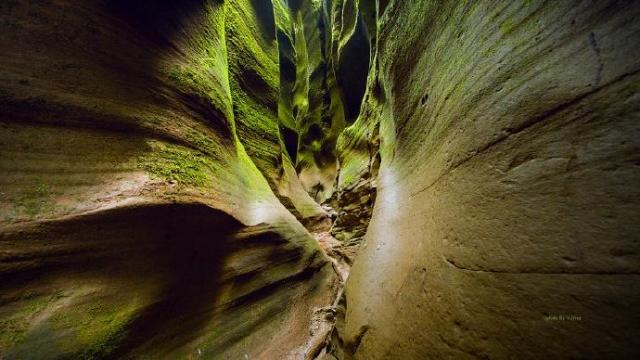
{"type": "Point", "coordinates": [132, 220]}
{"type": "Point", "coordinates": [324, 53]}
{"type": "Point", "coordinates": [507, 195]}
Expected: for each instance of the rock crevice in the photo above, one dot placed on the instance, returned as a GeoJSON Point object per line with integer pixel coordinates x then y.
{"type": "Point", "coordinates": [319, 179]}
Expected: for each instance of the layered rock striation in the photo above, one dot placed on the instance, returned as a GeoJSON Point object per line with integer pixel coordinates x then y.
{"type": "Point", "coordinates": [141, 174]}
{"type": "Point", "coordinates": [194, 179]}
{"type": "Point", "coordinates": [504, 224]}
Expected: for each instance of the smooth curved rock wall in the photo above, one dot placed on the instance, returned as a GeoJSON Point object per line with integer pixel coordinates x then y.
{"type": "Point", "coordinates": [505, 224]}
{"type": "Point", "coordinates": [132, 221]}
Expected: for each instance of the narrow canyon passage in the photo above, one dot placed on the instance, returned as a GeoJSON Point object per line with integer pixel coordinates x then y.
{"type": "Point", "coordinates": [319, 179]}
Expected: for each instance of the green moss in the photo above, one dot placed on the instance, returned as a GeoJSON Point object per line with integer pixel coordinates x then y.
{"type": "Point", "coordinates": [301, 87]}
{"type": "Point", "coordinates": [247, 46]}
{"type": "Point", "coordinates": [506, 27]}
{"type": "Point", "coordinates": [73, 325]}
{"type": "Point", "coordinates": [251, 179]}
{"type": "Point", "coordinates": [203, 70]}
{"type": "Point", "coordinates": [34, 201]}
{"type": "Point", "coordinates": [182, 75]}
{"type": "Point", "coordinates": [175, 163]}
{"type": "Point", "coordinates": [255, 115]}
{"type": "Point", "coordinates": [282, 16]}
{"type": "Point", "coordinates": [204, 141]}
{"type": "Point", "coordinates": [97, 327]}
{"type": "Point", "coordinates": [16, 320]}
{"type": "Point", "coordinates": [352, 168]}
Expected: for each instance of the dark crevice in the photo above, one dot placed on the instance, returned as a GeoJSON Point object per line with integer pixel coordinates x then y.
{"type": "Point", "coordinates": [290, 138]}
{"type": "Point", "coordinates": [382, 7]}
{"type": "Point", "coordinates": [353, 345]}
{"type": "Point", "coordinates": [157, 20]}
{"type": "Point", "coordinates": [264, 11]}
{"type": "Point", "coordinates": [353, 70]}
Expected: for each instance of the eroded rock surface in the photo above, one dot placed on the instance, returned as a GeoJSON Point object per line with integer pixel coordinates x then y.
{"type": "Point", "coordinates": [504, 225]}
{"type": "Point", "coordinates": [140, 164]}
{"type": "Point", "coordinates": [195, 179]}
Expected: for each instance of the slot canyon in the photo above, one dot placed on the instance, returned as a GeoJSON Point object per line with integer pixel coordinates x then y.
{"type": "Point", "coordinates": [319, 179]}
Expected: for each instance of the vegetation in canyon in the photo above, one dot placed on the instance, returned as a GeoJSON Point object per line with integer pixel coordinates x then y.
{"type": "Point", "coordinates": [319, 179]}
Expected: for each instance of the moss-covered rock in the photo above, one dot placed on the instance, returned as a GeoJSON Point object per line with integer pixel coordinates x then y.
{"type": "Point", "coordinates": [140, 150]}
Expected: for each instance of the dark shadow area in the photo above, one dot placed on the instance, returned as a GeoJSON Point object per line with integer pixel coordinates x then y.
{"type": "Point", "coordinates": [353, 71]}
{"type": "Point", "coordinates": [255, 85]}
{"type": "Point", "coordinates": [287, 71]}
{"type": "Point", "coordinates": [369, 19]}
{"type": "Point", "coordinates": [266, 19]}
{"type": "Point", "coordinates": [382, 7]}
{"type": "Point", "coordinates": [295, 5]}
{"type": "Point", "coordinates": [378, 92]}
{"type": "Point", "coordinates": [180, 248]}
{"type": "Point", "coordinates": [319, 89]}
{"type": "Point", "coordinates": [326, 154]}
{"type": "Point", "coordinates": [290, 139]}
{"type": "Point", "coordinates": [160, 21]}
{"type": "Point", "coordinates": [105, 54]}
{"type": "Point", "coordinates": [188, 252]}
{"type": "Point", "coordinates": [193, 251]}
{"type": "Point", "coordinates": [287, 65]}
{"type": "Point", "coordinates": [164, 26]}
{"type": "Point", "coordinates": [314, 133]}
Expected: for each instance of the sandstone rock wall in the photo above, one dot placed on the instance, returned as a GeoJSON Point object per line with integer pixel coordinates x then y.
{"type": "Point", "coordinates": [157, 159]}
{"type": "Point", "coordinates": [139, 153]}
{"type": "Point", "coordinates": [505, 224]}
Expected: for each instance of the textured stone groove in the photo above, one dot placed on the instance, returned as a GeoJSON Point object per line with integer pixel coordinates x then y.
{"type": "Point", "coordinates": [567, 272]}
{"type": "Point", "coordinates": [506, 133]}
